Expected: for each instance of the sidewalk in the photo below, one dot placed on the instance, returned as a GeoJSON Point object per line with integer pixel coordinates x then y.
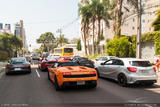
{"type": "Point", "coordinates": [2, 66]}
{"type": "Point", "coordinates": [158, 82]}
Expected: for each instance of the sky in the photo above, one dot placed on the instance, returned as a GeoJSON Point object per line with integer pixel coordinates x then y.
{"type": "Point", "coordinates": [40, 16]}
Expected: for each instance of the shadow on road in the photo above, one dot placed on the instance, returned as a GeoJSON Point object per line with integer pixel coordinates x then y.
{"type": "Point", "coordinates": [140, 85]}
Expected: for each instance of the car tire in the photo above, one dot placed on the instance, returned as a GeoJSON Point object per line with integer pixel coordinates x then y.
{"type": "Point", "coordinates": [122, 80]}
{"type": "Point", "coordinates": [94, 85]}
{"type": "Point", "coordinates": [56, 84]}
{"type": "Point", "coordinates": [7, 73]}
{"type": "Point", "coordinates": [49, 76]}
{"type": "Point", "coordinates": [149, 84]}
{"type": "Point", "coordinates": [98, 73]}
{"type": "Point", "coordinates": [29, 71]}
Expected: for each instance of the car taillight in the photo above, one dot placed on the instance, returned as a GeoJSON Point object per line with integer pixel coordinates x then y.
{"type": "Point", "coordinates": [132, 69]}
{"type": "Point", "coordinates": [93, 72]}
{"type": "Point", "coordinates": [27, 65]}
{"type": "Point", "coordinates": [8, 66]}
{"type": "Point", "coordinates": [154, 68]}
{"type": "Point", "coordinates": [66, 73]}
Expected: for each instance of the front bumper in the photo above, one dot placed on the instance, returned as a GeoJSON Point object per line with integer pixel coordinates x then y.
{"type": "Point", "coordinates": [137, 79]}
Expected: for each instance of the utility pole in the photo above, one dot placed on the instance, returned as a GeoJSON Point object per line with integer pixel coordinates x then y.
{"type": "Point", "coordinates": [60, 34]}
{"type": "Point", "coordinates": [138, 42]}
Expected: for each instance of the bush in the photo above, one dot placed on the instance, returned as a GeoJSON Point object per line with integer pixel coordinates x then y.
{"type": "Point", "coordinates": [121, 47]}
{"type": "Point", "coordinates": [155, 37]}
{"type": "Point", "coordinates": [3, 55]}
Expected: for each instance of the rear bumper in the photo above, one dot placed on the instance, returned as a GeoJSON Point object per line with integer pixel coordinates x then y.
{"type": "Point", "coordinates": [74, 83]}
{"type": "Point", "coordinates": [20, 71]}
{"type": "Point", "coordinates": [138, 79]}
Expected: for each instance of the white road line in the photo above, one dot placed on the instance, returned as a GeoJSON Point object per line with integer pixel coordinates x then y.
{"type": "Point", "coordinates": [38, 73]}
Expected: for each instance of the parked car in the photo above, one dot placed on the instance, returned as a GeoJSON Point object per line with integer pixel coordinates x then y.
{"type": "Point", "coordinates": [64, 59]}
{"type": "Point", "coordinates": [18, 65]}
{"type": "Point", "coordinates": [35, 57]}
{"type": "Point", "coordinates": [43, 65]}
{"type": "Point", "coordinates": [71, 74]}
{"type": "Point", "coordinates": [102, 59]}
{"type": "Point", "coordinates": [128, 71]}
{"type": "Point", "coordinates": [56, 56]}
{"type": "Point", "coordinates": [84, 62]}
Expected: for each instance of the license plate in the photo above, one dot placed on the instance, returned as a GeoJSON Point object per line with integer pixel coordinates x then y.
{"type": "Point", "coordinates": [17, 69]}
{"type": "Point", "coordinates": [80, 82]}
{"type": "Point", "coordinates": [144, 72]}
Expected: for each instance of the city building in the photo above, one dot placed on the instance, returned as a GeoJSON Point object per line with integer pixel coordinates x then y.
{"type": "Point", "coordinates": [129, 23]}
{"type": "Point", "coordinates": [20, 31]}
{"type": "Point", "coordinates": [6, 29]}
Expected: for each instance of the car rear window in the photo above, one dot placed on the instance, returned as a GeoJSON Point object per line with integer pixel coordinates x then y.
{"type": "Point", "coordinates": [68, 64]}
{"type": "Point", "coordinates": [140, 63]}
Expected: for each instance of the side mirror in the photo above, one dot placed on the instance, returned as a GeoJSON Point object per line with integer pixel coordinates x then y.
{"type": "Point", "coordinates": [102, 64]}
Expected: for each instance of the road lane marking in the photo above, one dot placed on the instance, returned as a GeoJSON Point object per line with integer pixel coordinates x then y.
{"type": "Point", "coordinates": [38, 73]}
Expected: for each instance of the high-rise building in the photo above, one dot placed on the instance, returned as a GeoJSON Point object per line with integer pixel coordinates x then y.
{"type": "Point", "coordinates": [17, 30]}
{"type": "Point", "coordinates": [20, 31]}
{"type": "Point", "coordinates": [8, 26]}
{"type": "Point", "coordinates": [1, 26]}
{"type": "Point", "coordinates": [6, 29]}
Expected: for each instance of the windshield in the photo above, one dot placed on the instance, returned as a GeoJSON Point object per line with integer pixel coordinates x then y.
{"type": "Point", "coordinates": [50, 59]}
{"type": "Point", "coordinates": [68, 64]}
{"type": "Point", "coordinates": [68, 50]}
{"type": "Point", "coordinates": [18, 60]}
{"type": "Point", "coordinates": [141, 63]}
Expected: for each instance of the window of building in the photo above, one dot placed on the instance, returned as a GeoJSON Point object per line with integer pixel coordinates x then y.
{"type": "Point", "coordinates": [133, 19]}
{"type": "Point", "coordinates": [133, 28]}
{"type": "Point", "coordinates": [143, 20]}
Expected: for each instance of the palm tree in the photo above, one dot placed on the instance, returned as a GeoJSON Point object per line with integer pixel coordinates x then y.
{"type": "Point", "coordinates": [60, 40]}
{"type": "Point", "coordinates": [85, 13]}
{"type": "Point", "coordinates": [156, 23]}
{"type": "Point", "coordinates": [93, 7]}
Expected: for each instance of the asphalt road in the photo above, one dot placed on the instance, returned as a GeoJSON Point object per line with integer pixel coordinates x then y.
{"type": "Point", "coordinates": [35, 90]}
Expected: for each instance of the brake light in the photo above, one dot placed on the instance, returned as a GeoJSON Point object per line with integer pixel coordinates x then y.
{"type": "Point", "coordinates": [9, 66]}
{"type": "Point", "coordinates": [132, 69]}
{"type": "Point", "coordinates": [154, 68]}
{"type": "Point", "coordinates": [66, 73]}
{"type": "Point", "coordinates": [93, 72]}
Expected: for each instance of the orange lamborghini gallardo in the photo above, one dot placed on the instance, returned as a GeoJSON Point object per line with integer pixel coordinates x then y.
{"type": "Point", "coordinates": [71, 74]}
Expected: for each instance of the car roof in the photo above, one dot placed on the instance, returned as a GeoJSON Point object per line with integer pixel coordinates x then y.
{"type": "Point", "coordinates": [132, 59]}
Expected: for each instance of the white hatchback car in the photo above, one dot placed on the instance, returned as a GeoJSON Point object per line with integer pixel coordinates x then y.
{"type": "Point", "coordinates": [128, 71]}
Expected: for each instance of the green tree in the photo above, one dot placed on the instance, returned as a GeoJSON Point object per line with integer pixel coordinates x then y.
{"type": "Point", "coordinates": [10, 43]}
{"type": "Point", "coordinates": [61, 40]}
{"type": "Point", "coordinates": [79, 45]}
{"type": "Point", "coordinates": [46, 39]}
{"type": "Point", "coordinates": [156, 23]}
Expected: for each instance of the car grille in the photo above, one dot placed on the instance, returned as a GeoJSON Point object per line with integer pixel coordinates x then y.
{"type": "Point", "coordinates": [79, 76]}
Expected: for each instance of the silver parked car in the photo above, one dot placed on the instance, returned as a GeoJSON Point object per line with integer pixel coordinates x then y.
{"type": "Point", "coordinates": [102, 59]}
{"type": "Point", "coordinates": [128, 71]}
